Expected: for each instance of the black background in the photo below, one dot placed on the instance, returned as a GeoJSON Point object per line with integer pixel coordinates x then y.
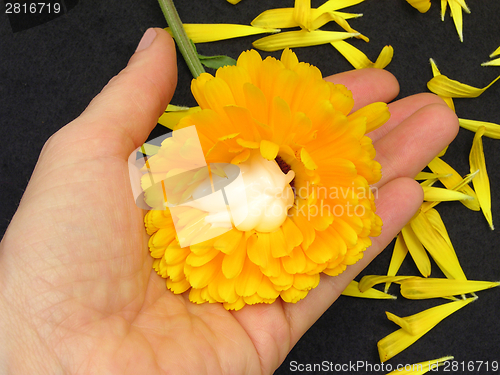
{"type": "Point", "coordinates": [51, 68]}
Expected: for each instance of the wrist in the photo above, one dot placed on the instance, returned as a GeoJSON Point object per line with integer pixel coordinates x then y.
{"type": "Point", "coordinates": [22, 350]}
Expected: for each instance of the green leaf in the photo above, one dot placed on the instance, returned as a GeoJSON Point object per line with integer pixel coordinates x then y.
{"type": "Point", "coordinates": [216, 62]}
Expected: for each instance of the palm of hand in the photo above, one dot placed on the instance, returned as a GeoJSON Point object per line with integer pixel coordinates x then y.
{"type": "Point", "coordinates": [93, 298]}
{"type": "Point", "coordinates": [77, 283]}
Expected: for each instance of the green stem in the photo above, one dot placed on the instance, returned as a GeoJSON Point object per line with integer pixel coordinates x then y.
{"type": "Point", "coordinates": [181, 38]}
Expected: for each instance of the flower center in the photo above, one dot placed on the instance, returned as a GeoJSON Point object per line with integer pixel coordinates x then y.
{"type": "Point", "coordinates": [266, 189]}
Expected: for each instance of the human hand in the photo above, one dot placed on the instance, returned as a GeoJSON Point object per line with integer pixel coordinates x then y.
{"type": "Point", "coordinates": [77, 292]}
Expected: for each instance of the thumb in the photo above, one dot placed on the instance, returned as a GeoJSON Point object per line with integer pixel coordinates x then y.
{"type": "Point", "coordinates": [128, 107]}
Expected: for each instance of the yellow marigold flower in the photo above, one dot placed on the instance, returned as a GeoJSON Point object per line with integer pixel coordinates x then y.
{"type": "Point", "coordinates": [421, 367]}
{"type": "Point", "coordinates": [420, 288]}
{"type": "Point", "coordinates": [414, 327]}
{"type": "Point", "coordinates": [352, 290]}
{"type": "Point", "coordinates": [481, 182]}
{"type": "Point", "coordinates": [421, 5]}
{"type": "Point", "coordinates": [282, 117]}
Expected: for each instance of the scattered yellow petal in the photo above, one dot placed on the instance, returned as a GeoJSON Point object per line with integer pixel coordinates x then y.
{"type": "Point", "coordinates": [420, 288]}
{"type": "Point", "coordinates": [338, 4]}
{"type": "Point", "coordinates": [443, 195]}
{"type": "Point", "coordinates": [495, 52]}
{"type": "Point", "coordinates": [491, 130]}
{"type": "Point", "coordinates": [447, 99]}
{"type": "Point", "coordinates": [495, 62]}
{"type": "Point", "coordinates": [300, 38]}
{"type": "Point", "coordinates": [398, 255]}
{"type": "Point", "coordinates": [421, 367]}
{"type": "Point", "coordinates": [417, 251]}
{"type": "Point", "coordinates": [302, 14]}
{"type": "Point", "coordinates": [430, 176]}
{"type": "Point", "coordinates": [171, 119]}
{"type": "Point", "coordinates": [453, 180]}
{"type": "Point", "coordinates": [359, 60]}
{"type": "Point", "coordinates": [481, 182]}
{"type": "Point", "coordinates": [438, 224]}
{"type": "Point", "coordinates": [421, 322]}
{"type": "Point", "coordinates": [352, 290]}
{"type": "Point", "coordinates": [233, 1]}
{"type": "Point", "coordinates": [421, 5]}
{"type": "Point", "coordinates": [369, 281]}
{"type": "Point", "coordinates": [443, 86]}
{"type": "Point", "coordinates": [339, 20]}
{"type": "Point", "coordinates": [205, 32]}
{"type": "Point", "coordinates": [456, 14]}
{"type": "Point", "coordinates": [443, 254]}
{"type": "Point", "coordinates": [399, 340]}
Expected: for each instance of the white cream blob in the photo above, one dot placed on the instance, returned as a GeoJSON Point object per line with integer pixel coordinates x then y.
{"type": "Point", "coordinates": [267, 190]}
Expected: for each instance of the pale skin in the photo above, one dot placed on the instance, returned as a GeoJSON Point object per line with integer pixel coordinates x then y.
{"type": "Point", "coordinates": [77, 291]}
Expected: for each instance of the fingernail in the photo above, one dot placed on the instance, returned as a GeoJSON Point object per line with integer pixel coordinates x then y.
{"type": "Point", "coordinates": [146, 40]}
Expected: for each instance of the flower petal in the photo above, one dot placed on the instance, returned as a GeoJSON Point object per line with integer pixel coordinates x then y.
{"type": "Point", "coordinates": [352, 290]}
{"type": "Point", "coordinates": [456, 14]}
{"type": "Point", "coordinates": [369, 281]}
{"type": "Point", "coordinates": [269, 150]}
{"type": "Point", "coordinates": [421, 322]}
{"type": "Point", "coordinates": [481, 182]}
{"type": "Point", "coordinates": [453, 180]}
{"type": "Point", "coordinates": [171, 119]}
{"type": "Point", "coordinates": [399, 340]}
{"type": "Point", "coordinates": [436, 245]}
{"type": "Point", "coordinates": [436, 72]}
{"type": "Point", "coordinates": [443, 195]}
{"type": "Point", "coordinates": [376, 115]}
{"type": "Point", "coordinates": [301, 38]}
{"type": "Point", "coordinates": [443, 86]}
{"type": "Point", "coordinates": [491, 129]}
{"type": "Point", "coordinates": [398, 255]}
{"type": "Point", "coordinates": [302, 14]}
{"type": "Point", "coordinates": [420, 288]}
{"type": "Point", "coordinates": [416, 250]}
{"type": "Point", "coordinates": [421, 5]}
{"type": "Point", "coordinates": [495, 62]}
{"type": "Point", "coordinates": [205, 32]}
